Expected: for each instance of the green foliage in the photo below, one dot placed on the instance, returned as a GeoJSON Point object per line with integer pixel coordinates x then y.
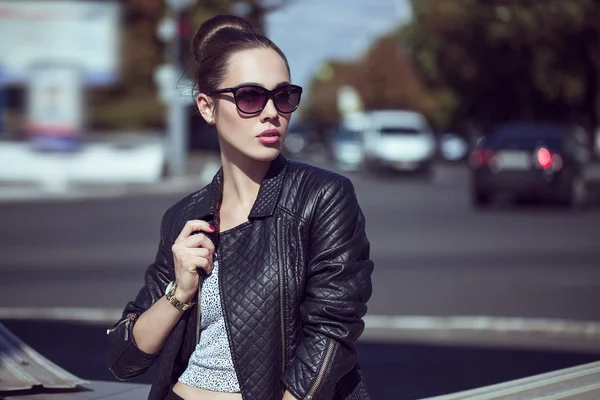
{"type": "Point", "coordinates": [133, 102]}
{"type": "Point", "coordinates": [497, 59]}
{"type": "Point", "coordinates": [384, 77]}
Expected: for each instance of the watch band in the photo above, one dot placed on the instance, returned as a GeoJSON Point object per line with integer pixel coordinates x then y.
{"type": "Point", "coordinates": [170, 295]}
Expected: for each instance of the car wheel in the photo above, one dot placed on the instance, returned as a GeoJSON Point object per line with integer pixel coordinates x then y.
{"type": "Point", "coordinates": [480, 199]}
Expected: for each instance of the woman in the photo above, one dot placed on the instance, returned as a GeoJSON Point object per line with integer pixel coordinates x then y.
{"type": "Point", "coordinates": [262, 277]}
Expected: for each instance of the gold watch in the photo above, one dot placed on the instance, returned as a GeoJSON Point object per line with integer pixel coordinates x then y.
{"type": "Point", "coordinates": [170, 295]}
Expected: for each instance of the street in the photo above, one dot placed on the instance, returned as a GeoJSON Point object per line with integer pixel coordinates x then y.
{"type": "Point", "coordinates": [434, 256]}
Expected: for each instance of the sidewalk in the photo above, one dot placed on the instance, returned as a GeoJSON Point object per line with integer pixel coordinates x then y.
{"type": "Point", "coordinates": [102, 170]}
{"type": "Point", "coordinates": [129, 165]}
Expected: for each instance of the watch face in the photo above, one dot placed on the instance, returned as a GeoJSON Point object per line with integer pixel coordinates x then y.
{"type": "Point", "coordinates": [171, 284]}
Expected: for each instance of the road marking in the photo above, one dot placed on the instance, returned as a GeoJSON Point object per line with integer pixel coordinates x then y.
{"type": "Point", "coordinates": [557, 334]}
{"type": "Point", "coordinates": [486, 331]}
{"type": "Point", "coordinates": [484, 323]}
{"type": "Point", "coordinates": [372, 322]}
{"type": "Point", "coordinates": [89, 315]}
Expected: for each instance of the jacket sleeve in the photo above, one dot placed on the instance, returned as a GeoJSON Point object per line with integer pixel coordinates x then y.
{"type": "Point", "coordinates": [125, 359]}
{"type": "Point", "coordinates": [338, 286]}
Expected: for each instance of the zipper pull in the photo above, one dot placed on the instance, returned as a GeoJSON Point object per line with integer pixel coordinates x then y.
{"type": "Point", "coordinates": [127, 330]}
{"type": "Point", "coordinates": [130, 318]}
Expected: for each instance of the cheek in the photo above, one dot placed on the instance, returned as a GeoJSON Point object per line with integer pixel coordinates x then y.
{"type": "Point", "coordinates": [230, 123]}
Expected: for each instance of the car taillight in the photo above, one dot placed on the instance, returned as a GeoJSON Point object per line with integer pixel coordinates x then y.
{"type": "Point", "coordinates": [481, 157]}
{"type": "Point", "coordinates": [544, 158]}
{"type": "Point", "coordinates": [548, 160]}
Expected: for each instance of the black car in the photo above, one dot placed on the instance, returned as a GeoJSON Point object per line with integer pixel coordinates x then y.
{"type": "Point", "coordinates": [542, 160]}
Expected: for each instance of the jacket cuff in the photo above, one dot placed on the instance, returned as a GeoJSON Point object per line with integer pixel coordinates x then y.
{"type": "Point", "coordinates": [126, 359]}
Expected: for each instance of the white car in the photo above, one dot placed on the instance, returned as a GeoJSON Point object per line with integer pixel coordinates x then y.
{"type": "Point", "coordinates": [398, 140]}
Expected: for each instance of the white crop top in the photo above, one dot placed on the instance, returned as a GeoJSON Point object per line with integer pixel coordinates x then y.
{"type": "Point", "coordinates": [210, 366]}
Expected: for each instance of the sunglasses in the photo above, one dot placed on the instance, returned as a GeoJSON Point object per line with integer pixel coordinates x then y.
{"type": "Point", "coordinates": [252, 99]}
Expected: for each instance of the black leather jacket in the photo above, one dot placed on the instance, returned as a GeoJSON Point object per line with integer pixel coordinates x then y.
{"type": "Point", "coordinates": [294, 280]}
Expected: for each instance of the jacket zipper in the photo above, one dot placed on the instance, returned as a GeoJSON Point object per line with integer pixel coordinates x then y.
{"type": "Point", "coordinates": [323, 370]}
{"type": "Point", "coordinates": [127, 321]}
{"type": "Point", "coordinates": [281, 295]}
{"type": "Point", "coordinates": [198, 317]}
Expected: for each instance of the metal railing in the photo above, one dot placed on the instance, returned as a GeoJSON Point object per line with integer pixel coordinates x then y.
{"type": "Point", "coordinates": [581, 383]}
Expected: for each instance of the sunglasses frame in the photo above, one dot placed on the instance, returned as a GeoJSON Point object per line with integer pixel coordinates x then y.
{"type": "Point", "coordinates": [270, 95]}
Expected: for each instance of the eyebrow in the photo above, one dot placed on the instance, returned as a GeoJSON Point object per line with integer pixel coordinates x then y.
{"type": "Point", "coordinates": [280, 84]}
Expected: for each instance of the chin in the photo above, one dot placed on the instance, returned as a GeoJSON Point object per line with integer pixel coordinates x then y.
{"type": "Point", "coordinates": [266, 154]}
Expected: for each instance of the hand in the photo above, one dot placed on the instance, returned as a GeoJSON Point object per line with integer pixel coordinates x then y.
{"type": "Point", "coordinates": [190, 252]}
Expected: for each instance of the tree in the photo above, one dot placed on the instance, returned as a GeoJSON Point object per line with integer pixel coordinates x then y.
{"type": "Point", "coordinates": [387, 79]}
{"type": "Point", "coordinates": [503, 60]}
{"type": "Point", "coordinates": [132, 103]}
{"type": "Point", "coordinates": [322, 110]}
{"type": "Point", "coordinates": [384, 77]}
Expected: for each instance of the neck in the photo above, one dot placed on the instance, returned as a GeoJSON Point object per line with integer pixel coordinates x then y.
{"type": "Point", "coordinates": [242, 178]}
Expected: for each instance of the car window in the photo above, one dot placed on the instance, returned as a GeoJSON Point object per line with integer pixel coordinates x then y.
{"type": "Point", "coordinates": [347, 134]}
{"type": "Point", "coordinates": [528, 136]}
{"type": "Point", "coordinates": [398, 131]}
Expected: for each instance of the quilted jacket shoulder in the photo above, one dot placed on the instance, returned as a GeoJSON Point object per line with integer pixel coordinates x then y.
{"type": "Point", "coordinates": [305, 184]}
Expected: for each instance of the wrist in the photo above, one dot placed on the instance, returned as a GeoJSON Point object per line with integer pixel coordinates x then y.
{"type": "Point", "coordinates": [177, 298]}
{"type": "Point", "coordinates": [183, 296]}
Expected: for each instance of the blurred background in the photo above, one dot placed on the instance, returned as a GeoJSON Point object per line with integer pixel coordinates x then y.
{"type": "Point", "coordinates": [470, 129]}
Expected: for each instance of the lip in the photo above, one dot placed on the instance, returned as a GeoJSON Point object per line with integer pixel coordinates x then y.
{"type": "Point", "coordinates": [269, 133]}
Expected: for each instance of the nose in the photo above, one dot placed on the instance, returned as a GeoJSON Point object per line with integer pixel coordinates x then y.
{"type": "Point", "coordinates": [269, 113]}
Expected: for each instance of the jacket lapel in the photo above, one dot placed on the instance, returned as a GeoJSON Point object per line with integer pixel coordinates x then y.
{"type": "Point", "coordinates": [270, 189]}
{"type": "Point", "coordinates": [268, 195]}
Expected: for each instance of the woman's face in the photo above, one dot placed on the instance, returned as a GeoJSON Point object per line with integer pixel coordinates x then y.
{"type": "Point", "coordinates": [257, 136]}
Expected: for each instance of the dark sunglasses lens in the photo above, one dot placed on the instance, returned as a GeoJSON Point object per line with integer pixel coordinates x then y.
{"type": "Point", "coordinates": [250, 99]}
{"type": "Point", "coordinates": [287, 99]}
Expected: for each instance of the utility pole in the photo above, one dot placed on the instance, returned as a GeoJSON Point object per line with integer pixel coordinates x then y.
{"type": "Point", "coordinates": [177, 118]}
{"type": "Point", "coordinates": [3, 127]}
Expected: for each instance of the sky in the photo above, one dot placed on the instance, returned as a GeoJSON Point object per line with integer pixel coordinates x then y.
{"type": "Point", "coordinates": [312, 31]}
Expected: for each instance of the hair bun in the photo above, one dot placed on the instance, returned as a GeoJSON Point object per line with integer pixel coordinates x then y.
{"type": "Point", "coordinates": [215, 41]}
{"type": "Point", "coordinates": [211, 29]}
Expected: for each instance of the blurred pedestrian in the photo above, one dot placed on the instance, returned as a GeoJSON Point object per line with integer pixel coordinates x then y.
{"type": "Point", "coordinates": [262, 277]}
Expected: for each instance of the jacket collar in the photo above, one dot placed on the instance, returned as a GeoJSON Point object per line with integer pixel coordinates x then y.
{"type": "Point", "coordinates": [266, 201]}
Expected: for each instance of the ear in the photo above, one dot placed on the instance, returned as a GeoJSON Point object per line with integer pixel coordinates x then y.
{"type": "Point", "coordinates": [206, 106]}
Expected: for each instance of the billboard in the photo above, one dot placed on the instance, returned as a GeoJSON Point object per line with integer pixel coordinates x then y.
{"type": "Point", "coordinates": [82, 33]}
{"type": "Point", "coordinates": [55, 107]}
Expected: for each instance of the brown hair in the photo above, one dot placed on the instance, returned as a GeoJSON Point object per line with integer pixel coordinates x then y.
{"type": "Point", "coordinates": [215, 41]}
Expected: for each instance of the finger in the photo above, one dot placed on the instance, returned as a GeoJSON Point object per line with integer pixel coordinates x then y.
{"type": "Point", "coordinates": [202, 263]}
{"type": "Point", "coordinates": [199, 240]}
{"type": "Point", "coordinates": [190, 264]}
{"type": "Point", "coordinates": [191, 226]}
{"type": "Point", "coordinates": [183, 253]}
{"type": "Point", "coordinates": [197, 252]}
